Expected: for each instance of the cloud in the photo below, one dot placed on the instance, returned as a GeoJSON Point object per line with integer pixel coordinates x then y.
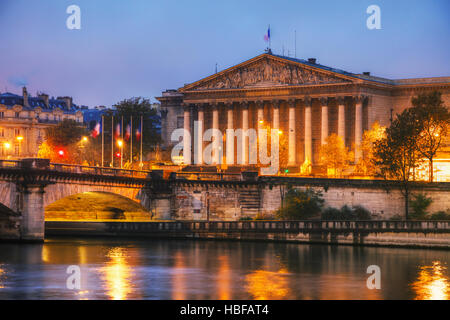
{"type": "Point", "coordinates": [18, 81]}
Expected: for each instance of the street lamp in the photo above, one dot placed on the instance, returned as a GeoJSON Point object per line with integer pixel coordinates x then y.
{"type": "Point", "coordinates": [19, 138]}
{"type": "Point", "coordinates": [120, 144]}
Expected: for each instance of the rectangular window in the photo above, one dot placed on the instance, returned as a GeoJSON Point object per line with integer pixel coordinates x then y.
{"type": "Point", "coordinates": [17, 114]}
{"type": "Point", "coordinates": [16, 132]}
{"type": "Point", "coordinates": [2, 132]}
{"type": "Point", "coordinates": [16, 149]}
{"type": "Point", "coordinates": [2, 114]}
{"type": "Point", "coordinates": [180, 122]}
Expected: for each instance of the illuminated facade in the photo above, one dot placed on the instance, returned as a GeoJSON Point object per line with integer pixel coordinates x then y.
{"type": "Point", "coordinates": [305, 100]}
{"type": "Point", "coordinates": [23, 120]}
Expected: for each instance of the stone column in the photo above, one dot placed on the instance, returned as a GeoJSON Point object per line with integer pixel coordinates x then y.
{"type": "Point", "coordinates": [260, 113]}
{"type": "Point", "coordinates": [341, 118]}
{"type": "Point", "coordinates": [276, 114]}
{"type": "Point", "coordinates": [199, 142]}
{"type": "Point", "coordinates": [292, 144]}
{"type": "Point", "coordinates": [308, 131]}
{"type": "Point", "coordinates": [230, 134]}
{"type": "Point", "coordinates": [216, 144]}
{"type": "Point", "coordinates": [244, 132]}
{"type": "Point", "coordinates": [358, 126]}
{"type": "Point", "coordinates": [324, 123]}
{"type": "Point", "coordinates": [32, 224]}
{"type": "Point", "coordinates": [187, 135]}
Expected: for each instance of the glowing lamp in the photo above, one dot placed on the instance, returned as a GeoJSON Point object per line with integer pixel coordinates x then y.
{"type": "Point", "coordinates": [118, 155]}
{"type": "Point", "coordinates": [19, 138]}
{"type": "Point", "coordinates": [7, 145]}
{"type": "Point", "coordinates": [61, 153]}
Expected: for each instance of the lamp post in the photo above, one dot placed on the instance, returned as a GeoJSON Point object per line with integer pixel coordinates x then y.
{"type": "Point", "coordinates": [19, 138]}
{"type": "Point", "coordinates": [120, 144]}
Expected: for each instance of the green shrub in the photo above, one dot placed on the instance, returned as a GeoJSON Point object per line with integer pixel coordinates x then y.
{"type": "Point", "coordinates": [361, 213]}
{"type": "Point", "coordinates": [440, 215]}
{"type": "Point", "coordinates": [245, 218]}
{"type": "Point", "coordinates": [301, 204]}
{"type": "Point", "coordinates": [346, 213]}
{"type": "Point", "coordinates": [331, 214]}
{"type": "Point", "coordinates": [419, 206]}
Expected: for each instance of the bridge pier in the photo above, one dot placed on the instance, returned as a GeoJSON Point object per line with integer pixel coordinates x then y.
{"type": "Point", "coordinates": [32, 210]}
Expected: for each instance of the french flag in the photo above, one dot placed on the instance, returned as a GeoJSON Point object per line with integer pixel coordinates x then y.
{"type": "Point", "coordinates": [128, 132]}
{"type": "Point", "coordinates": [267, 35]}
{"type": "Point", "coordinates": [118, 131]}
{"type": "Point", "coordinates": [97, 130]}
{"type": "Point", "coordinates": [138, 133]}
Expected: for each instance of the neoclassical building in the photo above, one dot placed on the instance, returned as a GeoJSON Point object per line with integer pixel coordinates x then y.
{"type": "Point", "coordinates": [23, 120]}
{"type": "Point", "coordinates": [305, 100]}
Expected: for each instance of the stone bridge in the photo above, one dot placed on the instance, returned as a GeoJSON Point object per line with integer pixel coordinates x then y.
{"type": "Point", "coordinates": [28, 186]}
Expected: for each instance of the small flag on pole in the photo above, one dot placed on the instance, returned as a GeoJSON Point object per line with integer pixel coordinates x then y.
{"type": "Point", "coordinates": [117, 131]}
{"type": "Point", "coordinates": [267, 35]}
{"type": "Point", "coordinates": [138, 132]}
{"type": "Point", "coordinates": [128, 132]}
{"type": "Point", "coordinates": [97, 130]}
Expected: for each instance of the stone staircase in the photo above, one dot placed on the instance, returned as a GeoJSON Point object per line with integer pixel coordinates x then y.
{"type": "Point", "coordinates": [249, 200]}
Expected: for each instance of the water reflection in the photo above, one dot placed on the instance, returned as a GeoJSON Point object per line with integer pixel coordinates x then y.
{"type": "Point", "coordinates": [432, 283]}
{"type": "Point", "coordinates": [185, 269]}
{"type": "Point", "coordinates": [117, 274]}
{"type": "Point", "coordinates": [267, 285]}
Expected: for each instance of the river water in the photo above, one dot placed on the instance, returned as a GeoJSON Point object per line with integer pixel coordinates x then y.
{"type": "Point", "coordinates": [189, 269]}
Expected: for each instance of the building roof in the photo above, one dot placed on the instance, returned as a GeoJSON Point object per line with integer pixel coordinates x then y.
{"type": "Point", "coordinates": [10, 99]}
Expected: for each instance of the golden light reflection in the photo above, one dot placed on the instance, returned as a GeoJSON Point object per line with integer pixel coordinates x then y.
{"type": "Point", "coordinates": [117, 274]}
{"type": "Point", "coordinates": [267, 285]}
{"type": "Point", "coordinates": [224, 278]}
{"type": "Point", "coordinates": [432, 283]}
{"type": "Point", "coordinates": [179, 280]}
{"type": "Point", "coordinates": [2, 275]}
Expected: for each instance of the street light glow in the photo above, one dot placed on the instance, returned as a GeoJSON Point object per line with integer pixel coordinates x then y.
{"type": "Point", "coordinates": [19, 138]}
{"type": "Point", "coordinates": [7, 145]}
{"type": "Point", "coordinates": [120, 143]}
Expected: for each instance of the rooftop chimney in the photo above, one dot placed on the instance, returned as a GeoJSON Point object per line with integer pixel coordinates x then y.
{"type": "Point", "coordinates": [68, 101]}
{"type": "Point", "coordinates": [25, 97]}
{"type": "Point", "coordinates": [44, 97]}
{"type": "Point", "coordinates": [312, 60]}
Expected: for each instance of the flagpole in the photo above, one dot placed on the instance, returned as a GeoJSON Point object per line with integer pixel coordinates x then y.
{"type": "Point", "coordinates": [103, 141]}
{"type": "Point", "coordinates": [269, 39]}
{"type": "Point", "coordinates": [142, 137]}
{"type": "Point", "coordinates": [112, 141]}
{"type": "Point", "coordinates": [131, 140]}
{"type": "Point", "coordinates": [121, 148]}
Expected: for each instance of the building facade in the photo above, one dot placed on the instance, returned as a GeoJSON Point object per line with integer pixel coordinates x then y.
{"type": "Point", "coordinates": [23, 120]}
{"type": "Point", "coordinates": [305, 100]}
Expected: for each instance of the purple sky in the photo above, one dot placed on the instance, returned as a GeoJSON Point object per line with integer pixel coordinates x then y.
{"type": "Point", "coordinates": [140, 48]}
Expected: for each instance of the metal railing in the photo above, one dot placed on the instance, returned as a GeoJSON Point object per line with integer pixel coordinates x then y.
{"type": "Point", "coordinates": [221, 176]}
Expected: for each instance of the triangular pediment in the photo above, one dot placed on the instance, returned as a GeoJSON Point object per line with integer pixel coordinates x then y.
{"type": "Point", "coordinates": [267, 71]}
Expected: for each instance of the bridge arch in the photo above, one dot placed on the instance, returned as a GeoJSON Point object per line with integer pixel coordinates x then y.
{"type": "Point", "coordinates": [57, 191]}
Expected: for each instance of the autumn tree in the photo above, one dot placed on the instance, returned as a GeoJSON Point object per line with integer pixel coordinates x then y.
{"type": "Point", "coordinates": [334, 155]}
{"type": "Point", "coordinates": [433, 119]}
{"type": "Point", "coordinates": [65, 142]}
{"type": "Point", "coordinates": [366, 164]}
{"type": "Point", "coordinates": [395, 155]}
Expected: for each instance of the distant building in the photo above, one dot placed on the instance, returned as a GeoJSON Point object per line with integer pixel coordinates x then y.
{"type": "Point", "coordinates": [306, 101]}
{"type": "Point", "coordinates": [23, 120]}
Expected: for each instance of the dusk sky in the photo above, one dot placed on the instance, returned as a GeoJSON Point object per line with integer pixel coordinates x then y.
{"type": "Point", "coordinates": [141, 48]}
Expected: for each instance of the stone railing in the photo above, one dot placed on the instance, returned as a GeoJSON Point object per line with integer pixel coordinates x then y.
{"type": "Point", "coordinates": [45, 164]}
{"type": "Point", "coordinates": [288, 226]}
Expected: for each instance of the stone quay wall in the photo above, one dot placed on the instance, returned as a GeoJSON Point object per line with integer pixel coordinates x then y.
{"type": "Point", "coordinates": [228, 201]}
{"type": "Point", "coordinates": [423, 234]}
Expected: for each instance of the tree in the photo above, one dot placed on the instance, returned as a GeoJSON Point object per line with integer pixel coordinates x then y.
{"type": "Point", "coordinates": [65, 143]}
{"type": "Point", "coordinates": [136, 107]}
{"type": "Point", "coordinates": [334, 155]}
{"type": "Point", "coordinates": [366, 164]}
{"type": "Point", "coordinates": [395, 155]}
{"type": "Point", "coordinates": [301, 204]}
{"type": "Point", "coordinates": [434, 121]}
